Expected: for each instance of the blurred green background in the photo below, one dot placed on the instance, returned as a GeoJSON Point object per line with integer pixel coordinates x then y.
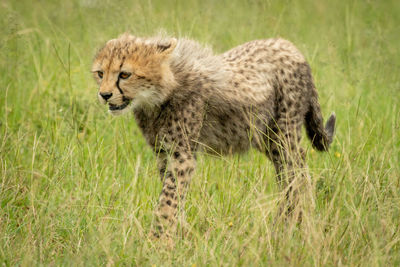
{"type": "Point", "coordinates": [78, 186]}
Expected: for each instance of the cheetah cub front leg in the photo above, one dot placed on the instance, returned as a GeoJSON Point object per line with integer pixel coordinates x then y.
{"type": "Point", "coordinates": [176, 163]}
{"type": "Point", "coordinates": [175, 170]}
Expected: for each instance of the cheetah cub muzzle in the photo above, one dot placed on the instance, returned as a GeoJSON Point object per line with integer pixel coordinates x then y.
{"type": "Point", "coordinates": [186, 99]}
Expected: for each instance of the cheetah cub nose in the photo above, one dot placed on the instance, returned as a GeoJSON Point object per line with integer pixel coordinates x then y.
{"type": "Point", "coordinates": [106, 96]}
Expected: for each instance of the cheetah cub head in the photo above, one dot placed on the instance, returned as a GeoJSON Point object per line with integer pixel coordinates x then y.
{"type": "Point", "coordinates": [134, 72]}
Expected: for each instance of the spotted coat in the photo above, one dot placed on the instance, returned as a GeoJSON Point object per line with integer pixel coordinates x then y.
{"type": "Point", "coordinates": [187, 99]}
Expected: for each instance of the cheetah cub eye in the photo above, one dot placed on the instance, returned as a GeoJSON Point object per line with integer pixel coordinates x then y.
{"type": "Point", "coordinates": [100, 74]}
{"type": "Point", "coordinates": [124, 75]}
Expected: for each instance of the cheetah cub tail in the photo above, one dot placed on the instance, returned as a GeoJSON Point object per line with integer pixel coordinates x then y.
{"type": "Point", "coordinates": [321, 137]}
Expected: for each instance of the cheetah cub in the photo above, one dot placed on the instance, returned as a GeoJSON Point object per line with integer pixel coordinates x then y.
{"type": "Point", "coordinates": [185, 99]}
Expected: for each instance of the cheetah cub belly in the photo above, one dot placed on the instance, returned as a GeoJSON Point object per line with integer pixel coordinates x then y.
{"type": "Point", "coordinates": [186, 99]}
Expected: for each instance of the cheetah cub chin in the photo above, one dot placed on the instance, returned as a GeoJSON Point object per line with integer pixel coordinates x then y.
{"type": "Point", "coordinates": [185, 99]}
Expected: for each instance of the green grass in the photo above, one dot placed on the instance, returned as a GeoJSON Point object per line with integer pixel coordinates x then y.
{"type": "Point", "coordinates": [78, 186]}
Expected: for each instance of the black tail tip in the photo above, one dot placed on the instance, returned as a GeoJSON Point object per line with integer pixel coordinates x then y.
{"type": "Point", "coordinates": [330, 127]}
{"type": "Point", "coordinates": [325, 140]}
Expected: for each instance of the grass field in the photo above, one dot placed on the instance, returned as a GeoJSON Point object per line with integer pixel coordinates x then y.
{"type": "Point", "coordinates": [78, 187]}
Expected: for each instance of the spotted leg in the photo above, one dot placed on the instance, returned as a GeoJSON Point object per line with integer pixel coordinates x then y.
{"type": "Point", "coordinates": [176, 170]}
{"type": "Point", "coordinates": [289, 161]}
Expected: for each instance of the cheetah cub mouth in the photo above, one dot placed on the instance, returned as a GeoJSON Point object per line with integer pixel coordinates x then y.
{"type": "Point", "coordinates": [115, 109]}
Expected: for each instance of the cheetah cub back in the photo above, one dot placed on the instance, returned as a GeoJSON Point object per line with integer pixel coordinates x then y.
{"type": "Point", "coordinates": [186, 99]}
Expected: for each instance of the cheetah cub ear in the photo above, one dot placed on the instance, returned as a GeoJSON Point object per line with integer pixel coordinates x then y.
{"type": "Point", "coordinates": [166, 46]}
